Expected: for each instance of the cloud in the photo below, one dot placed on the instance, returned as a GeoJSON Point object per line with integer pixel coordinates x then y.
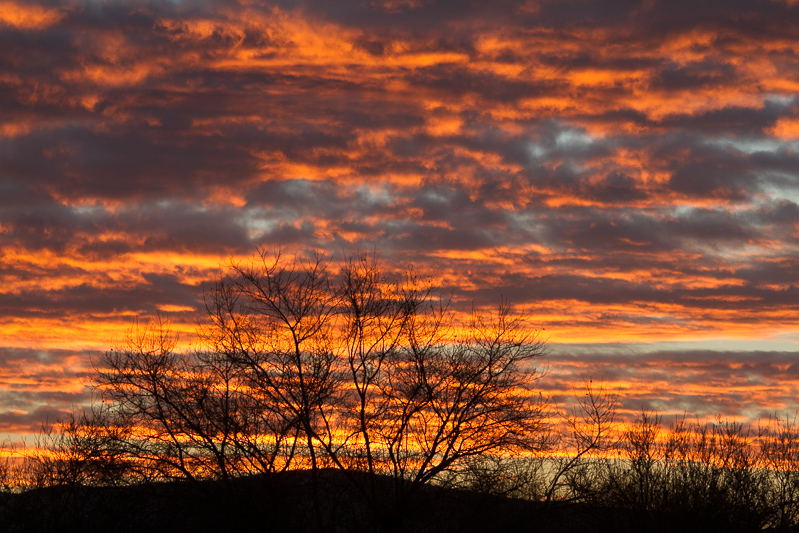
{"type": "Point", "coordinates": [30, 17]}
{"type": "Point", "coordinates": [742, 386]}
{"type": "Point", "coordinates": [620, 171]}
{"type": "Point", "coordinates": [43, 386]}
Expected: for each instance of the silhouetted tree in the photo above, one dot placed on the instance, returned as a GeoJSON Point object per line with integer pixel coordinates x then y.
{"type": "Point", "coordinates": [375, 373]}
{"type": "Point", "coordinates": [691, 476]}
{"type": "Point", "coordinates": [587, 434]}
{"type": "Point", "coordinates": [183, 415]}
{"type": "Point", "coordinates": [780, 456]}
{"type": "Point", "coordinates": [304, 366]}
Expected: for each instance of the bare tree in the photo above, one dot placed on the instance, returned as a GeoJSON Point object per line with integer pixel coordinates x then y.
{"type": "Point", "coordinates": [588, 433]}
{"type": "Point", "coordinates": [375, 373]}
{"type": "Point", "coordinates": [780, 447]}
{"type": "Point", "coordinates": [302, 365]}
{"type": "Point", "coordinates": [173, 414]}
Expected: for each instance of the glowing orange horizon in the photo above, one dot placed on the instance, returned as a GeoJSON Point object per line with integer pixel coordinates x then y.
{"type": "Point", "coordinates": [616, 183]}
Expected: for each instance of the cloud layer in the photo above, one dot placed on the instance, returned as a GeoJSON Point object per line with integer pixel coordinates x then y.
{"type": "Point", "coordinates": [620, 171]}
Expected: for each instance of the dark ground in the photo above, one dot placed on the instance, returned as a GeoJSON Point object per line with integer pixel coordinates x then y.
{"type": "Point", "coordinates": [284, 502]}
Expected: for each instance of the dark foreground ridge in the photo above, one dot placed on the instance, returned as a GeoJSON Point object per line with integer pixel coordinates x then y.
{"type": "Point", "coordinates": [282, 502]}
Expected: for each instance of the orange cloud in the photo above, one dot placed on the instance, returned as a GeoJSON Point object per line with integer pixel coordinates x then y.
{"type": "Point", "coordinates": [28, 17]}
{"type": "Point", "coordinates": [786, 128]}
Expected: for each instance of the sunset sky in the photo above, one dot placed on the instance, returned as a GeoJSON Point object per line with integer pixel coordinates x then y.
{"type": "Point", "coordinates": [626, 173]}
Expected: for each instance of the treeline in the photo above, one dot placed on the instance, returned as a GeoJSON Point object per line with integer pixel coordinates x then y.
{"type": "Point", "coordinates": [595, 475]}
{"type": "Point", "coordinates": [363, 398]}
{"type": "Point", "coordinates": [649, 476]}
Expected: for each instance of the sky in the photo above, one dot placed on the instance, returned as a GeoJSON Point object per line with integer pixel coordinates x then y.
{"type": "Point", "coordinates": [625, 173]}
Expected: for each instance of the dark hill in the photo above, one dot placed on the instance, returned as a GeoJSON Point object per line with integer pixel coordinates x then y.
{"type": "Point", "coordinates": [284, 502]}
